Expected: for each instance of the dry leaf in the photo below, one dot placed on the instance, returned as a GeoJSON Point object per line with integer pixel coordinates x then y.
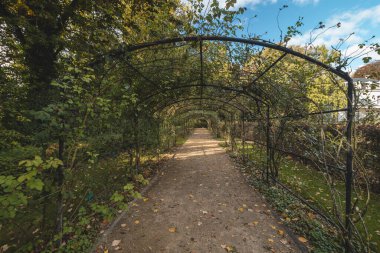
{"type": "Point", "coordinates": [270, 240]}
{"type": "Point", "coordinates": [241, 209]}
{"type": "Point", "coordinates": [115, 243]}
{"type": "Point", "coordinates": [255, 222]}
{"type": "Point", "coordinates": [311, 216]}
{"type": "Point", "coordinates": [172, 230]}
{"type": "Point", "coordinates": [280, 232]}
{"type": "Point", "coordinates": [137, 221]}
{"type": "Point", "coordinates": [123, 225]}
{"type": "Point", "coordinates": [105, 251]}
{"type": "Point", "coordinates": [302, 239]}
{"type": "Point", "coordinates": [228, 248]}
{"type": "Point", "coordinates": [4, 248]}
{"type": "Point", "coordinates": [145, 199]}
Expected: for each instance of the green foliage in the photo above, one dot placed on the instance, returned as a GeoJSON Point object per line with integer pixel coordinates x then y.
{"type": "Point", "coordinates": [15, 190]}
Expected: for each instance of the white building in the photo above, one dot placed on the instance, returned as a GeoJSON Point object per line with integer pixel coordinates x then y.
{"type": "Point", "coordinates": [367, 98]}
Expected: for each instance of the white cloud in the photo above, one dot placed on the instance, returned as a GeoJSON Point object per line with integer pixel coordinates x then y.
{"type": "Point", "coordinates": [304, 2]}
{"type": "Point", "coordinates": [254, 3]}
{"type": "Point", "coordinates": [363, 23]}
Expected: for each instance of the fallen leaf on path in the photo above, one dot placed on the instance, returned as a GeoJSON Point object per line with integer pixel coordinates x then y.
{"type": "Point", "coordinates": [270, 240]}
{"type": "Point", "coordinates": [302, 239]}
{"type": "Point", "coordinates": [145, 199]}
{"type": "Point", "coordinates": [241, 209]}
{"type": "Point", "coordinates": [155, 210]}
{"type": "Point", "coordinates": [204, 212]}
{"type": "Point", "coordinates": [123, 225]}
{"type": "Point", "coordinates": [228, 248]}
{"type": "Point", "coordinates": [105, 251]}
{"type": "Point", "coordinates": [4, 248]}
{"type": "Point", "coordinates": [255, 222]}
{"type": "Point", "coordinates": [280, 232]}
{"type": "Point", "coordinates": [137, 221]}
{"type": "Point", "coordinates": [199, 223]}
{"type": "Point", "coordinates": [283, 241]}
{"type": "Point", "coordinates": [311, 216]}
{"type": "Point", "coordinates": [117, 248]}
{"type": "Point", "coordinates": [115, 243]}
{"type": "Point", "coordinates": [172, 230]}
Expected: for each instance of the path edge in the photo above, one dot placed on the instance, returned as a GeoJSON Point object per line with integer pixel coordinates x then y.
{"type": "Point", "coordinates": [104, 237]}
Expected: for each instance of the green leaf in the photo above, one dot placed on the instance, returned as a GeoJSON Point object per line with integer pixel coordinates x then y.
{"type": "Point", "coordinates": [129, 187]}
{"type": "Point", "coordinates": [36, 184]}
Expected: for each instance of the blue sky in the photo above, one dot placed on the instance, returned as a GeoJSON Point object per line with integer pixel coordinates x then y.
{"type": "Point", "coordinates": [361, 17]}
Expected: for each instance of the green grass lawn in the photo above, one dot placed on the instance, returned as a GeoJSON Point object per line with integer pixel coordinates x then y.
{"type": "Point", "coordinates": [311, 184]}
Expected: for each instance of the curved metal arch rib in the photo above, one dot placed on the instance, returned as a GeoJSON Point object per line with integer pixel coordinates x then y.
{"type": "Point", "coordinates": [185, 115]}
{"type": "Point", "coordinates": [189, 108]}
{"type": "Point", "coordinates": [205, 99]}
{"type": "Point", "coordinates": [336, 71]}
{"type": "Point", "coordinates": [214, 86]}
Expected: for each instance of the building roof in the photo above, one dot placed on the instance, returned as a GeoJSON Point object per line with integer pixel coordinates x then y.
{"type": "Point", "coordinates": [365, 80]}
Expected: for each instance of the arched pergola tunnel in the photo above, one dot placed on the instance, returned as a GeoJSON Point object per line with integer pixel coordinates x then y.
{"type": "Point", "coordinates": [263, 94]}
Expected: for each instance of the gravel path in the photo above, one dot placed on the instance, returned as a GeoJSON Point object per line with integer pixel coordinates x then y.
{"type": "Point", "coordinates": [200, 203]}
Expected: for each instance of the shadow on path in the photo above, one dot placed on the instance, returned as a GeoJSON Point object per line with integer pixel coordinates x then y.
{"type": "Point", "coordinates": [200, 203]}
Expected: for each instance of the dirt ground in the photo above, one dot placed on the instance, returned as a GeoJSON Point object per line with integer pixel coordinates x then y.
{"type": "Point", "coordinates": [200, 203]}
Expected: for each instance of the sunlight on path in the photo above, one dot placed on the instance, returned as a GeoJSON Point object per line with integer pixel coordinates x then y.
{"type": "Point", "coordinates": [200, 203]}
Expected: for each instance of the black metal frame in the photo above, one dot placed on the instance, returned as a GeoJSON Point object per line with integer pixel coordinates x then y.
{"type": "Point", "coordinates": [124, 50]}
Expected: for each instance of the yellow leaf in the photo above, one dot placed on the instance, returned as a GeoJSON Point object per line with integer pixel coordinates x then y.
{"type": "Point", "coordinates": [302, 239]}
{"type": "Point", "coordinates": [105, 251]}
{"type": "Point", "coordinates": [255, 222]}
{"type": "Point", "coordinates": [115, 243]}
{"type": "Point", "coordinates": [311, 216]}
{"type": "Point", "coordinates": [280, 232]}
{"type": "Point", "coordinates": [172, 230]}
{"type": "Point", "coordinates": [228, 248]}
{"type": "Point", "coordinates": [137, 221]}
{"type": "Point", "coordinates": [241, 209]}
{"type": "Point", "coordinates": [145, 199]}
{"type": "Point", "coordinates": [270, 240]}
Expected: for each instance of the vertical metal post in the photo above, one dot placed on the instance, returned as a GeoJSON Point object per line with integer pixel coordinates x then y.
{"type": "Point", "coordinates": [268, 142]}
{"type": "Point", "coordinates": [349, 165]}
{"type": "Point", "coordinates": [201, 74]}
{"type": "Point", "coordinates": [158, 141]}
{"type": "Point", "coordinates": [243, 136]}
